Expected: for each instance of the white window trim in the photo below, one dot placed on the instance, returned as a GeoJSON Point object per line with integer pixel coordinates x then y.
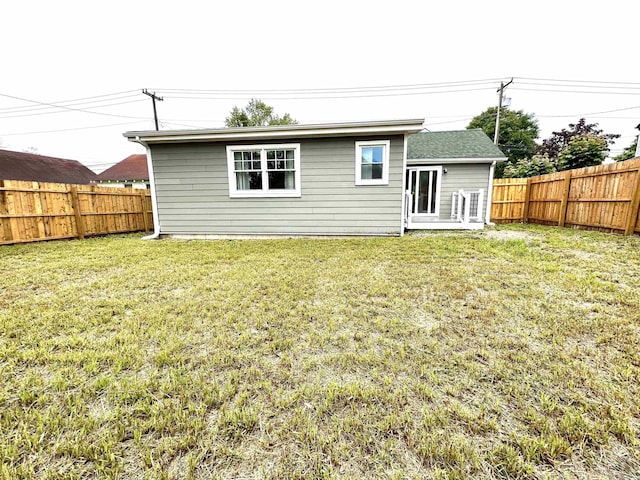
{"type": "Point", "coordinates": [385, 163]}
{"type": "Point", "coordinates": [265, 192]}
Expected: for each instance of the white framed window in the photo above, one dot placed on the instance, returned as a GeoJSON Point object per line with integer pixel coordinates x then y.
{"type": "Point", "coordinates": [264, 170]}
{"type": "Point", "coordinates": [372, 162]}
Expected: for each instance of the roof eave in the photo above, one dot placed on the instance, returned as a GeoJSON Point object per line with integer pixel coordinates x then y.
{"type": "Point", "coordinates": [278, 132]}
{"type": "Point", "coordinates": [459, 160]}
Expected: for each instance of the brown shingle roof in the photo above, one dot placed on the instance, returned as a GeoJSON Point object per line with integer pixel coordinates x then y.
{"type": "Point", "coordinates": [40, 168]}
{"type": "Point", "coordinates": [134, 167]}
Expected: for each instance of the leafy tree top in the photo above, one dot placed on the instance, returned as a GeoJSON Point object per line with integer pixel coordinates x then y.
{"type": "Point", "coordinates": [256, 114]}
{"type": "Point", "coordinates": [553, 145]}
{"type": "Point", "coordinates": [518, 131]}
{"type": "Point", "coordinates": [583, 151]}
{"type": "Point", "coordinates": [627, 153]}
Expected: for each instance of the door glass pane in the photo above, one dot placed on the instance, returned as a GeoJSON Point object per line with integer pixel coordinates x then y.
{"type": "Point", "coordinates": [412, 188]}
{"type": "Point", "coordinates": [434, 187]}
{"type": "Point", "coordinates": [427, 186]}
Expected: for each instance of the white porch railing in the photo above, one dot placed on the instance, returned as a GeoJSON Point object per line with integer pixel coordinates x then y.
{"type": "Point", "coordinates": [408, 201]}
{"type": "Point", "coordinates": [467, 205]}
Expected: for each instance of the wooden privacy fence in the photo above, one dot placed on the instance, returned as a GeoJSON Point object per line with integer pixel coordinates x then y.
{"type": "Point", "coordinates": [604, 197]}
{"type": "Point", "coordinates": [34, 211]}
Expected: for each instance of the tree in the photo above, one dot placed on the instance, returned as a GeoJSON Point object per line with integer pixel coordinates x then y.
{"type": "Point", "coordinates": [530, 167]}
{"type": "Point", "coordinates": [583, 151]}
{"type": "Point", "coordinates": [518, 131]}
{"type": "Point", "coordinates": [256, 114]}
{"type": "Point", "coordinates": [553, 145]}
{"type": "Point", "coordinates": [627, 153]}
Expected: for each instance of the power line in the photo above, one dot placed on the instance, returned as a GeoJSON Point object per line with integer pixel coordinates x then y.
{"type": "Point", "coordinates": [603, 87]}
{"type": "Point", "coordinates": [572, 91]}
{"type": "Point", "coordinates": [76, 102]}
{"type": "Point", "coordinates": [71, 129]}
{"type": "Point", "coordinates": [336, 89]}
{"type": "Point", "coordinates": [322, 96]}
{"type": "Point", "coordinates": [67, 108]}
{"type": "Point", "coordinates": [577, 81]}
{"type": "Point", "coordinates": [592, 113]}
{"type": "Point", "coordinates": [419, 86]}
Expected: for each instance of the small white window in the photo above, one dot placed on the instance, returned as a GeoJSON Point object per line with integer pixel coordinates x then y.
{"type": "Point", "coordinates": [372, 162]}
{"type": "Point", "coordinates": [264, 170]}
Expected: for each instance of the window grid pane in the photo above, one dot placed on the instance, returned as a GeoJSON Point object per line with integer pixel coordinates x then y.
{"type": "Point", "coordinates": [247, 161]}
{"type": "Point", "coordinates": [276, 160]}
{"type": "Point", "coordinates": [373, 154]}
{"type": "Point", "coordinates": [265, 169]}
{"type": "Point", "coordinates": [249, 180]}
{"type": "Point", "coordinates": [281, 180]}
{"type": "Point", "coordinates": [371, 171]}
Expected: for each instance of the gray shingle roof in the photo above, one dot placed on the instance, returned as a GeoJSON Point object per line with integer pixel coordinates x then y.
{"type": "Point", "coordinates": [452, 144]}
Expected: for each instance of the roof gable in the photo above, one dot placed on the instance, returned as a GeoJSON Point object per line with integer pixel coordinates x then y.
{"type": "Point", "coordinates": [40, 168]}
{"type": "Point", "coordinates": [456, 144]}
{"type": "Point", "coordinates": [134, 167]}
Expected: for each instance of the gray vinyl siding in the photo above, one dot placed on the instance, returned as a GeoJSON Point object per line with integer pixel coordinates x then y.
{"type": "Point", "coordinates": [192, 191]}
{"type": "Point", "coordinates": [465, 176]}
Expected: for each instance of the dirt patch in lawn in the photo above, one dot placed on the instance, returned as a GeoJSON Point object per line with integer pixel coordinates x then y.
{"type": "Point", "coordinates": [511, 235]}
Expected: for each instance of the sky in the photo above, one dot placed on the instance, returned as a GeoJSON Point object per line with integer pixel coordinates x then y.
{"type": "Point", "coordinates": [73, 71]}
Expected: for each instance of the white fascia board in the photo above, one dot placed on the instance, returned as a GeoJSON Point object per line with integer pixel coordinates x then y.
{"type": "Point", "coordinates": [440, 161]}
{"type": "Point", "coordinates": [263, 133]}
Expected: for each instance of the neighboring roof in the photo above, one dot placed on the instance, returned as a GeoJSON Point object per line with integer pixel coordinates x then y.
{"type": "Point", "coordinates": [40, 168]}
{"type": "Point", "coordinates": [134, 167]}
{"type": "Point", "coordinates": [457, 144]}
{"type": "Point", "coordinates": [278, 131]}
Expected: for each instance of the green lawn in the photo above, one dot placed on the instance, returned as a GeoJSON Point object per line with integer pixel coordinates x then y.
{"type": "Point", "coordinates": [509, 353]}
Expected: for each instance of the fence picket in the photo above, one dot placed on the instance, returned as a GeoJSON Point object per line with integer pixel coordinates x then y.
{"type": "Point", "coordinates": [32, 211]}
{"type": "Point", "coordinates": [604, 197]}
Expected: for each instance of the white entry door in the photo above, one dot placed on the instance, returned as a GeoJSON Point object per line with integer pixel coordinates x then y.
{"type": "Point", "coordinates": [423, 191]}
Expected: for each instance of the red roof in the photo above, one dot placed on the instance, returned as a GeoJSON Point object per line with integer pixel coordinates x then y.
{"type": "Point", "coordinates": [40, 168]}
{"type": "Point", "coordinates": [134, 167]}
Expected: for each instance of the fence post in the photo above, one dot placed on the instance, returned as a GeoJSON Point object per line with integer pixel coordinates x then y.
{"type": "Point", "coordinates": [143, 194]}
{"type": "Point", "coordinates": [565, 198]}
{"type": "Point", "coordinates": [527, 196]}
{"type": "Point", "coordinates": [4, 209]}
{"type": "Point", "coordinates": [634, 208]}
{"type": "Point", "coordinates": [75, 204]}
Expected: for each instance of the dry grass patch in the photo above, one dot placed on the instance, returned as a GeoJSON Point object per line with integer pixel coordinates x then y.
{"type": "Point", "coordinates": [511, 353]}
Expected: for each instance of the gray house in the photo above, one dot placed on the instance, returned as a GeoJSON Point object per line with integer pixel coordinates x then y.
{"type": "Point", "coordinates": [449, 179]}
{"type": "Point", "coordinates": [365, 178]}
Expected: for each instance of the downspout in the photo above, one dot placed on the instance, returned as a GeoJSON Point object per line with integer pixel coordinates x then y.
{"type": "Point", "coordinates": [492, 169]}
{"type": "Point", "coordinates": [403, 218]}
{"type": "Point", "coordinates": [154, 199]}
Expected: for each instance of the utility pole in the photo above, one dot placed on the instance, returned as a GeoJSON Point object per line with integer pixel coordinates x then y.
{"type": "Point", "coordinates": [154, 97]}
{"type": "Point", "coordinates": [501, 91]}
